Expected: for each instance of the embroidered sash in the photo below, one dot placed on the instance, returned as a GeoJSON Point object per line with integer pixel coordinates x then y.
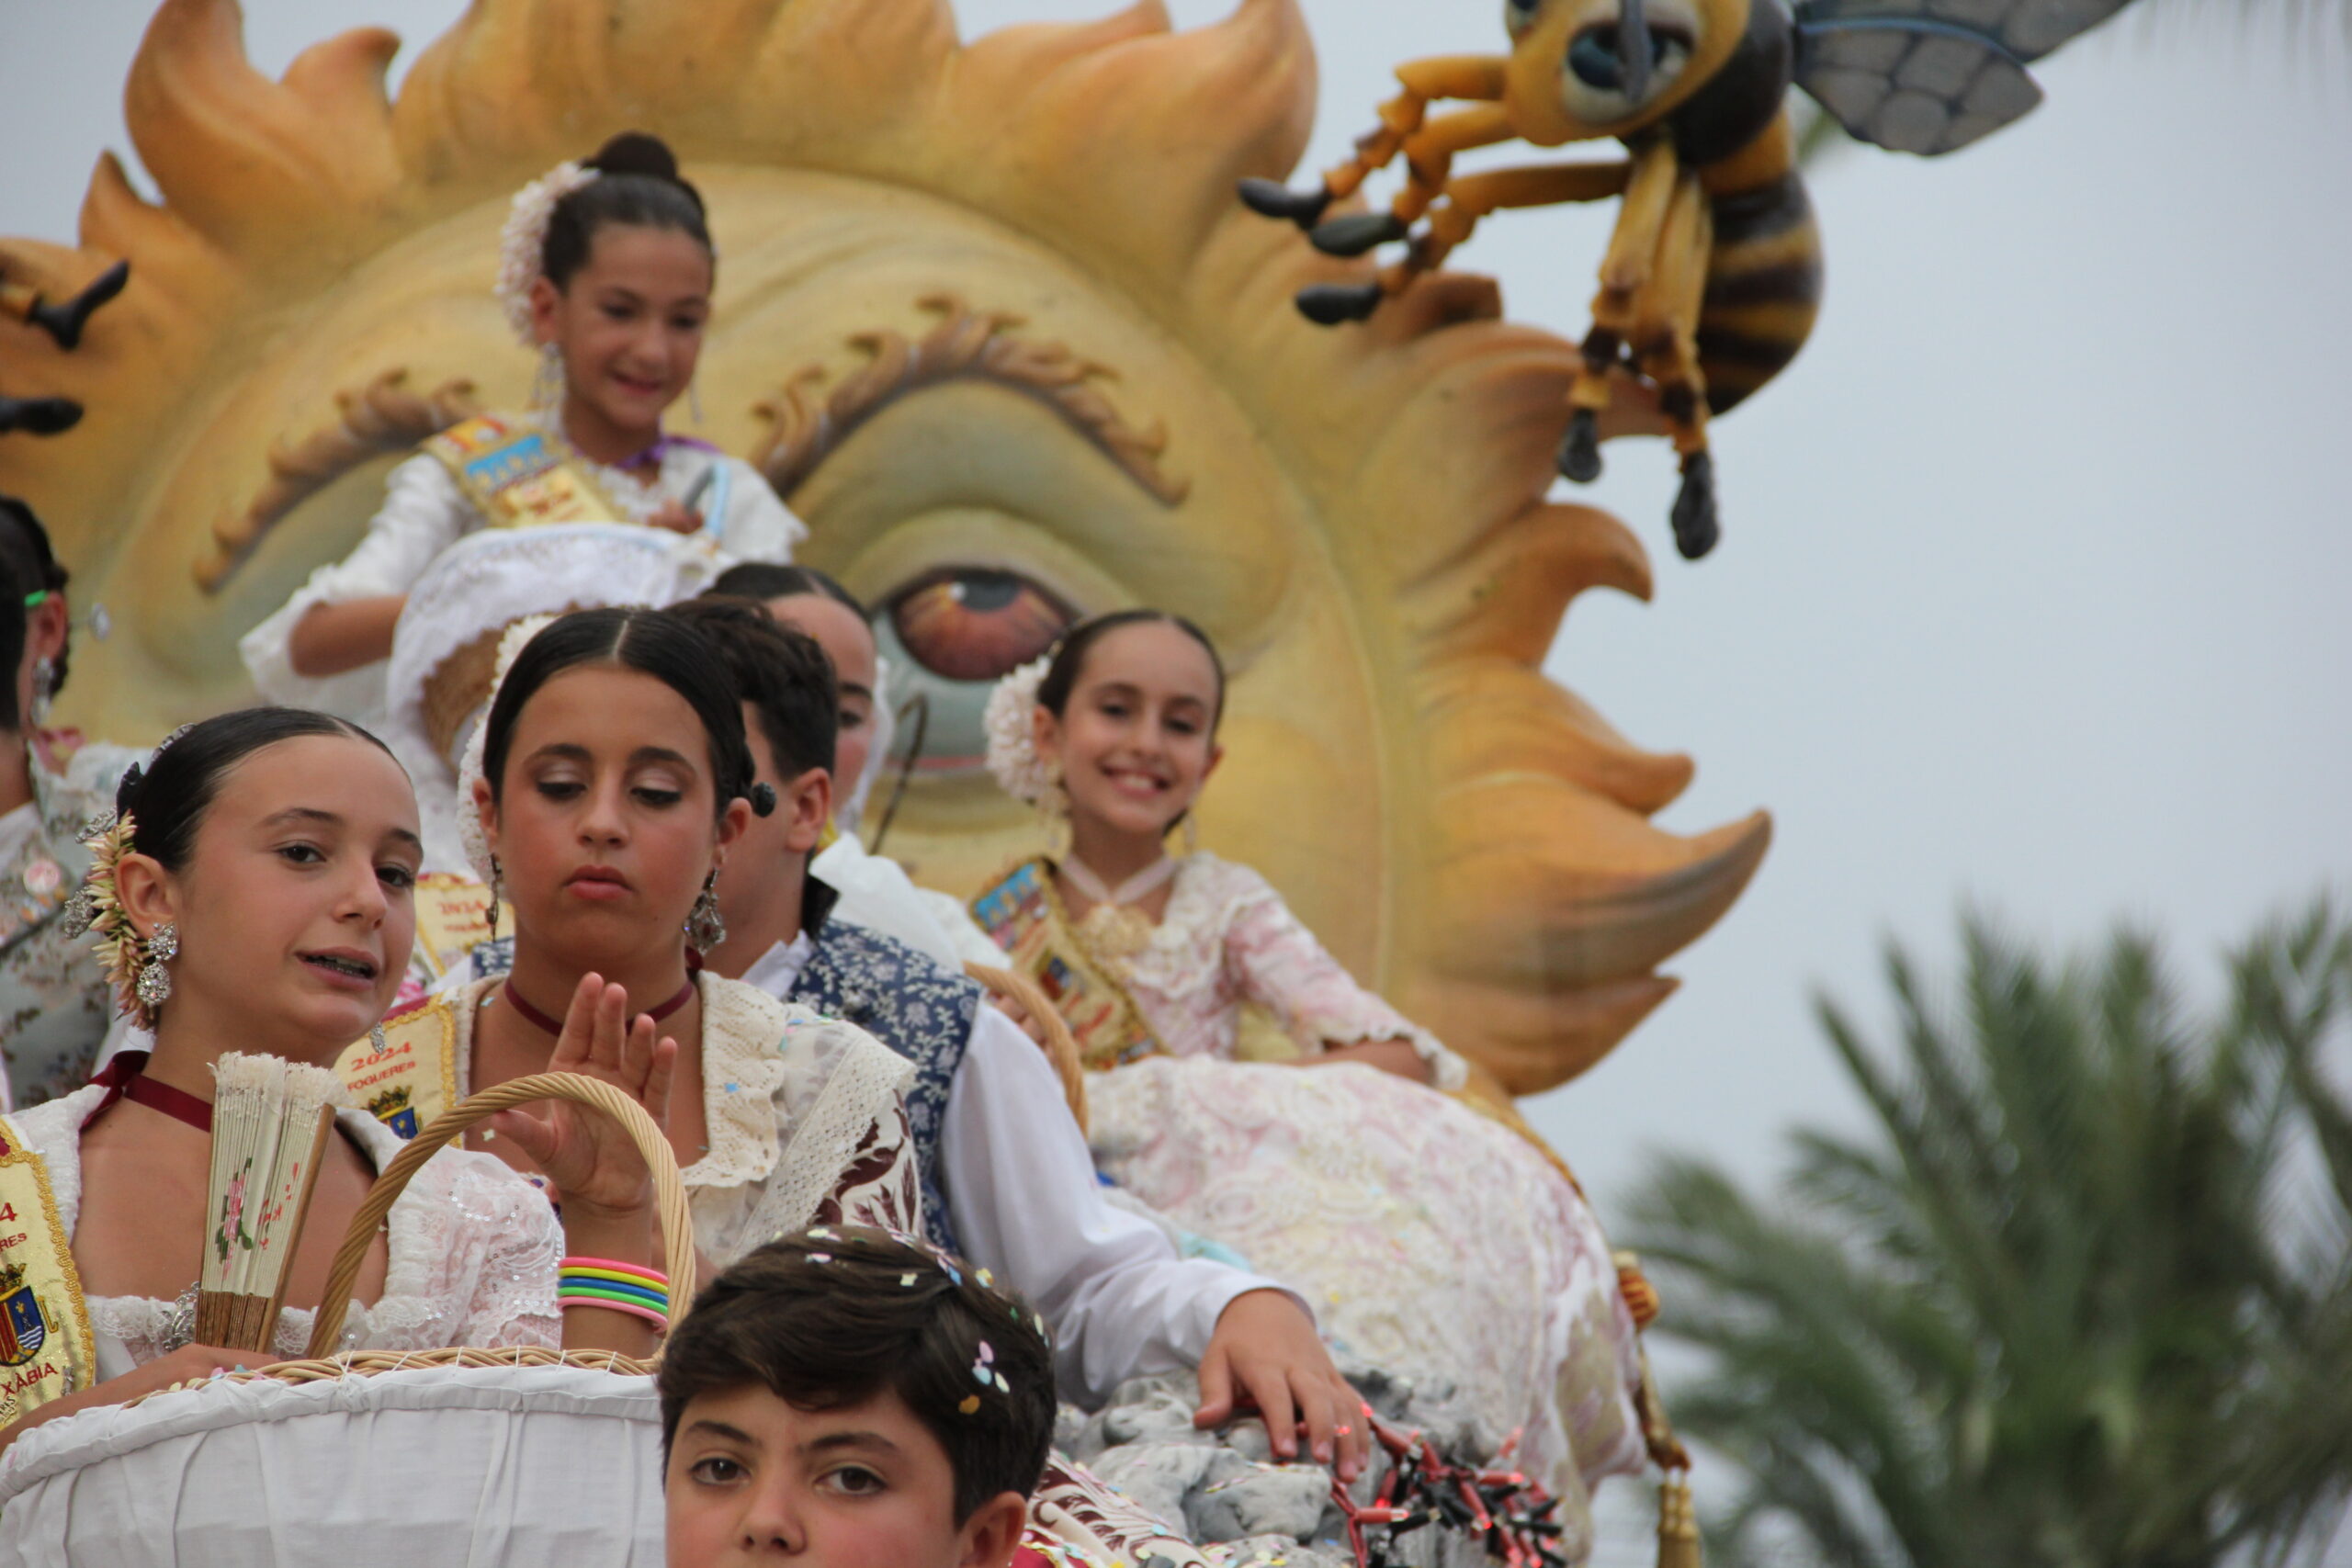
{"type": "Point", "coordinates": [519, 476]}
{"type": "Point", "coordinates": [46, 1349]}
{"type": "Point", "coordinates": [414, 1076]}
{"type": "Point", "coordinates": [1025, 917]}
{"type": "Point", "coordinates": [452, 920]}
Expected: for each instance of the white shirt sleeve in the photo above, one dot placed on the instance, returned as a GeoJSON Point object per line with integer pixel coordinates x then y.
{"type": "Point", "coordinates": [423, 513]}
{"type": "Point", "coordinates": [756, 525]}
{"type": "Point", "coordinates": [1023, 1194]}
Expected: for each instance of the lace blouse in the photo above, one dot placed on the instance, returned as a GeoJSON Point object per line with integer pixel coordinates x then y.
{"type": "Point", "coordinates": [1228, 938]}
{"type": "Point", "coordinates": [804, 1116]}
{"type": "Point", "coordinates": [473, 1249]}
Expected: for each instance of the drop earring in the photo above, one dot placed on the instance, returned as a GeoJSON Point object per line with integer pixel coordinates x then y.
{"type": "Point", "coordinates": [1192, 834]}
{"type": "Point", "coordinates": [376, 1037]}
{"type": "Point", "coordinates": [155, 981]}
{"type": "Point", "coordinates": [694, 400]}
{"type": "Point", "coordinates": [705, 929]}
{"type": "Point", "coordinates": [44, 688]}
{"type": "Point", "coordinates": [497, 894]}
{"type": "Point", "coordinates": [546, 386]}
{"type": "Point", "coordinates": [1053, 814]}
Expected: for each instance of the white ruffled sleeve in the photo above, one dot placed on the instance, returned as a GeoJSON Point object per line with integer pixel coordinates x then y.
{"type": "Point", "coordinates": [477, 1246]}
{"type": "Point", "coordinates": [757, 525]}
{"type": "Point", "coordinates": [423, 513]}
{"type": "Point", "coordinates": [1275, 962]}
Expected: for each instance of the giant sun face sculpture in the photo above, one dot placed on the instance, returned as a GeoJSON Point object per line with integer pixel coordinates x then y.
{"type": "Point", "coordinates": [991, 318]}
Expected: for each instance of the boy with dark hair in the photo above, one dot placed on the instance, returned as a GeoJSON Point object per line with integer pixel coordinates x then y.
{"type": "Point", "coordinates": [853, 1400]}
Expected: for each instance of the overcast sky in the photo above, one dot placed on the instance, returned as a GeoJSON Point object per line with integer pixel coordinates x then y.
{"type": "Point", "coordinates": [2033, 590]}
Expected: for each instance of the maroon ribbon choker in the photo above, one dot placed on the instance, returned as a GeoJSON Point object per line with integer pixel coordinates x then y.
{"type": "Point", "coordinates": [540, 1021]}
{"type": "Point", "coordinates": [126, 1079]}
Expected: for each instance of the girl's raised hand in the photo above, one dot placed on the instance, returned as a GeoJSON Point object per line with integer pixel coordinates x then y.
{"type": "Point", "coordinates": [588, 1158]}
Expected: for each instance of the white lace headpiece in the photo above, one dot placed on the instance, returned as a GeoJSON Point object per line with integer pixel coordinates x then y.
{"type": "Point", "coordinates": [1011, 728]}
{"type": "Point", "coordinates": [510, 647]}
{"type": "Point", "coordinates": [523, 244]}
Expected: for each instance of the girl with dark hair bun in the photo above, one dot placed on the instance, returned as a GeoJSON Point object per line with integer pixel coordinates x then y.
{"type": "Point", "coordinates": [53, 1005]}
{"type": "Point", "coordinates": [610, 782]}
{"type": "Point", "coordinates": [606, 272]}
{"type": "Point", "coordinates": [255, 894]}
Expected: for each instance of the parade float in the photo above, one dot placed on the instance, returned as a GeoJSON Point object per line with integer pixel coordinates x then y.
{"type": "Point", "coordinates": [996, 326]}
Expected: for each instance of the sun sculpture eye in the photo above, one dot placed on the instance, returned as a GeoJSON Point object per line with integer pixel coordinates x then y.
{"type": "Point", "coordinates": [970, 624]}
{"type": "Point", "coordinates": [955, 633]}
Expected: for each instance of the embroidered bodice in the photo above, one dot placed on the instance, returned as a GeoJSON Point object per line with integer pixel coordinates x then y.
{"type": "Point", "coordinates": [803, 1114]}
{"type": "Point", "coordinates": [473, 1249]}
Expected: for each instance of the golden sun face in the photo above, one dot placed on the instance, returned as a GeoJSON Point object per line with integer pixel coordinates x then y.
{"type": "Point", "coordinates": [991, 318]}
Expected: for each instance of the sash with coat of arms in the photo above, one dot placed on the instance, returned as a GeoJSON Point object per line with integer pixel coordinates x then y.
{"type": "Point", "coordinates": [46, 1348]}
{"type": "Point", "coordinates": [412, 1077]}
{"type": "Point", "coordinates": [1025, 918]}
{"type": "Point", "coordinates": [520, 476]}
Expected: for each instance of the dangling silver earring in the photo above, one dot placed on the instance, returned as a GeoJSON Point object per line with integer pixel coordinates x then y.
{"type": "Point", "coordinates": [44, 687]}
{"type": "Point", "coordinates": [704, 927]}
{"type": "Point", "coordinates": [546, 386]}
{"type": "Point", "coordinates": [155, 981]}
{"type": "Point", "coordinates": [376, 1038]}
{"type": "Point", "coordinates": [693, 399]}
{"type": "Point", "coordinates": [497, 894]}
{"type": "Point", "coordinates": [1192, 834]}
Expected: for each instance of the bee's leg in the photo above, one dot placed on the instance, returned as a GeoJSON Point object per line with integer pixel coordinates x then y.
{"type": "Point", "coordinates": [1472, 197]}
{"type": "Point", "coordinates": [64, 320]}
{"type": "Point", "coordinates": [1632, 255]}
{"type": "Point", "coordinates": [1476, 76]}
{"type": "Point", "coordinates": [1666, 349]}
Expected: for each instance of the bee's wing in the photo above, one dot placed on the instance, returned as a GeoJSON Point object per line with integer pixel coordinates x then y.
{"type": "Point", "coordinates": [1930, 76]}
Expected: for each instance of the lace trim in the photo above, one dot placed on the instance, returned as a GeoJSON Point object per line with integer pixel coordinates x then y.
{"type": "Point", "coordinates": [744, 1036]}
{"type": "Point", "coordinates": [864, 1086]}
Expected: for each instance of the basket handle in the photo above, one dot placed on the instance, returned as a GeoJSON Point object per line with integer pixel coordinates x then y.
{"type": "Point", "coordinates": [1061, 1046]}
{"type": "Point", "coordinates": [669, 1191]}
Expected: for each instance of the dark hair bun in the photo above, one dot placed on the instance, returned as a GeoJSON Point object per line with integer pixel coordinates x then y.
{"type": "Point", "coordinates": [641, 152]}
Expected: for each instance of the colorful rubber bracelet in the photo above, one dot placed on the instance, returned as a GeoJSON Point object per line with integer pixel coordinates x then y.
{"type": "Point", "coordinates": [659, 1300]}
{"type": "Point", "coordinates": [612, 1276]}
{"type": "Point", "coordinates": [658, 1319]}
{"type": "Point", "coordinates": [627, 1286]}
{"type": "Point", "coordinates": [639, 1270]}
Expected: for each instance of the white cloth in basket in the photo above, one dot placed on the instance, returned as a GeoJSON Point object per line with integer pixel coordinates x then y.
{"type": "Point", "coordinates": [459, 1467]}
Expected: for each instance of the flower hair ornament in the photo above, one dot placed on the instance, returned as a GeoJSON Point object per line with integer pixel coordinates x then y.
{"type": "Point", "coordinates": [133, 964]}
{"type": "Point", "coordinates": [1012, 730]}
{"type": "Point", "coordinates": [523, 244]}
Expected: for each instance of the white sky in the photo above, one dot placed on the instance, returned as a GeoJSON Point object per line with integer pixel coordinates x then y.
{"type": "Point", "coordinates": [2032, 590]}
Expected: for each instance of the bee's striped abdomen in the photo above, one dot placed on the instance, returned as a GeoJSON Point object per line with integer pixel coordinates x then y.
{"type": "Point", "coordinates": [1763, 288]}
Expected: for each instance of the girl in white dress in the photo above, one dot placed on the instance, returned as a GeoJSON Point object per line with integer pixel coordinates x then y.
{"type": "Point", "coordinates": [607, 270]}
{"type": "Point", "coordinates": [255, 894]}
{"type": "Point", "coordinates": [1436, 1241]}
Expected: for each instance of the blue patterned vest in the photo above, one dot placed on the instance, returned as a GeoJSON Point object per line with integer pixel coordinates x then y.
{"type": "Point", "coordinates": [911, 1003]}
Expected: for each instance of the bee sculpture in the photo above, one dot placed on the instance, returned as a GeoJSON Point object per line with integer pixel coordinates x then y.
{"type": "Point", "coordinates": [63, 320]}
{"type": "Point", "coordinates": [1713, 276]}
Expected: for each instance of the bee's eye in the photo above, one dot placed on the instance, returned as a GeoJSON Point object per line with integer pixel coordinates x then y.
{"type": "Point", "coordinates": [1519, 14]}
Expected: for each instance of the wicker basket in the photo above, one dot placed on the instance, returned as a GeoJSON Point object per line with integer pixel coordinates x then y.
{"type": "Point", "coordinates": [515, 1457]}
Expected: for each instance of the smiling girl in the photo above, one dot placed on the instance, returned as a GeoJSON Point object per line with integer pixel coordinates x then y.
{"type": "Point", "coordinates": [608, 271]}
{"type": "Point", "coordinates": [256, 895]}
{"type": "Point", "coordinates": [1447, 1244]}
